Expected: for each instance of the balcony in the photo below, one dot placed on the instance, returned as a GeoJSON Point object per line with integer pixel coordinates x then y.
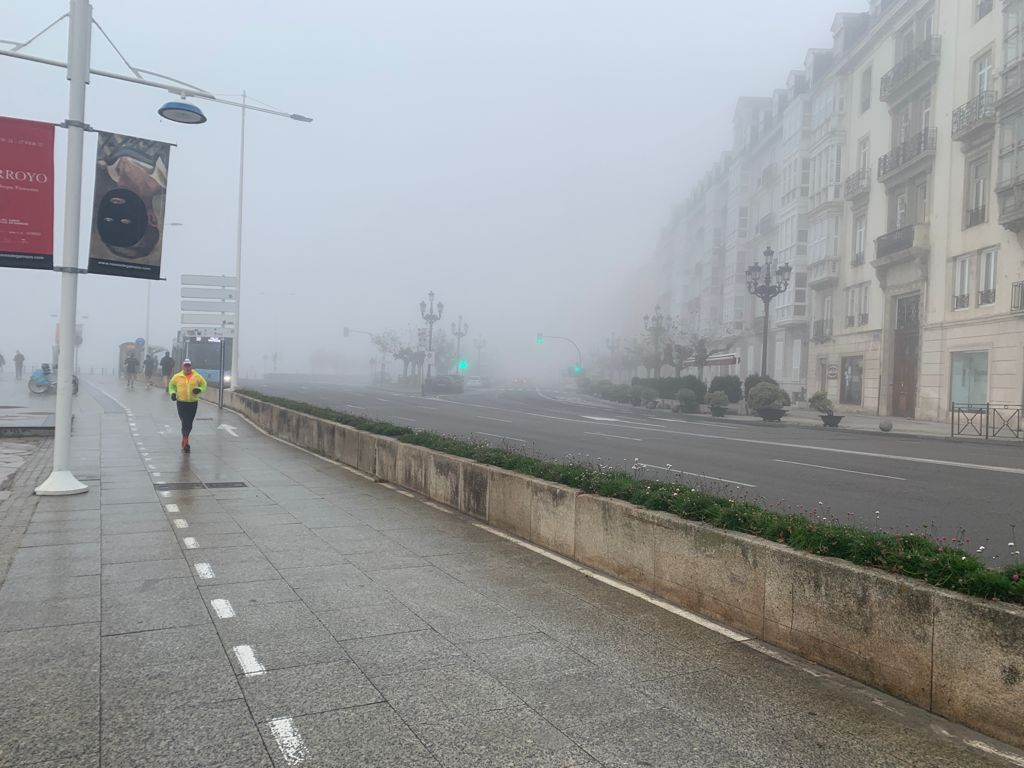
{"type": "Point", "coordinates": [902, 245]}
{"type": "Point", "coordinates": [768, 176]}
{"type": "Point", "coordinates": [1011, 204]}
{"type": "Point", "coordinates": [766, 224]}
{"type": "Point", "coordinates": [1017, 298]}
{"type": "Point", "coordinates": [974, 123]}
{"type": "Point", "coordinates": [975, 216]}
{"type": "Point", "coordinates": [858, 259]}
{"type": "Point", "coordinates": [909, 156]}
{"type": "Point", "coordinates": [961, 301]}
{"type": "Point", "coordinates": [822, 330]}
{"type": "Point", "coordinates": [987, 296]}
{"type": "Point", "coordinates": [823, 273]}
{"type": "Point", "coordinates": [791, 314]}
{"type": "Point", "coordinates": [912, 70]}
{"type": "Point", "coordinates": [858, 185]}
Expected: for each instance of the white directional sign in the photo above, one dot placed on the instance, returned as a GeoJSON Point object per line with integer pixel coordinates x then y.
{"type": "Point", "coordinates": [208, 331]}
{"type": "Point", "coordinates": [207, 320]}
{"type": "Point", "coordinates": [222, 294]}
{"type": "Point", "coordinates": [198, 305]}
{"type": "Point", "coordinates": [221, 281]}
{"type": "Point", "coordinates": [210, 303]}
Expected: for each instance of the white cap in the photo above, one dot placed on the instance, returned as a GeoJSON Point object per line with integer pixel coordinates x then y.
{"type": "Point", "coordinates": [186, 361]}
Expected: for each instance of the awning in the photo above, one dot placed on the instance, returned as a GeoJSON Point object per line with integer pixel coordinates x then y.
{"type": "Point", "coordinates": [723, 359]}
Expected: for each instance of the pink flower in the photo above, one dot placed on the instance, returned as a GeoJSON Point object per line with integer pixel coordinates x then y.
{"type": "Point", "coordinates": [1015, 577]}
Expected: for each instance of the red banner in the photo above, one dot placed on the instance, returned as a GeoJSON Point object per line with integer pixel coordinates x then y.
{"type": "Point", "coordinates": [26, 194]}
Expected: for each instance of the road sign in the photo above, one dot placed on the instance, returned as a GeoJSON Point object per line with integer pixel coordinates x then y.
{"type": "Point", "coordinates": [198, 305]}
{"type": "Point", "coordinates": [222, 294]}
{"type": "Point", "coordinates": [220, 281]}
{"type": "Point", "coordinates": [140, 342]}
{"type": "Point", "coordinates": [429, 358]}
{"type": "Point", "coordinates": [207, 320]}
{"type": "Point", "coordinates": [206, 333]}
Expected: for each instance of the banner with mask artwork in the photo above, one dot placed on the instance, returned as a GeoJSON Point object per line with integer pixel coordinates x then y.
{"type": "Point", "coordinates": [26, 194]}
{"type": "Point", "coordinates": [128, 206]}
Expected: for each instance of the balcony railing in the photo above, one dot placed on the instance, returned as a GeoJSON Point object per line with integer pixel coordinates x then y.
{"type": "Point", "coordinates": [851, 320]}
{"type": "Point", "coordinates": [858, 183]}
{"type": "Point", "coordinates": [858, 259]}
{"type": "Point", "coordinates": [977, 113]}
{"type": "Point", "coordinates": [823, 272]}
{"type": "Point", "coordinates": [894, 242]}
{"type": "Point", "coordinates": [918, 145]}
{"type": "Point", "coordinates": [962, 301]}
{"type": "Point", "coordinates": [822, 330]}
{"type": "Point", "coordinates": [976, 216]}
{"type": "Point", "coordinates": [1017, 298]}
{"type": "Point", "coordinates": [911, 64]}
{"type": "Point", "coordinates": [862, 318]}
{"type": "Point", "coordinates": [986, 296]}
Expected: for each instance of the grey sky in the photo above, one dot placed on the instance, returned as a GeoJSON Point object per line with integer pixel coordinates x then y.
{"type": "Point", "coordinates": [518, 158]}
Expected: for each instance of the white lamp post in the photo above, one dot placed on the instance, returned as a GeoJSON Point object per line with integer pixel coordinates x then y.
{"type": "Point", "coordinates": [62, 481]}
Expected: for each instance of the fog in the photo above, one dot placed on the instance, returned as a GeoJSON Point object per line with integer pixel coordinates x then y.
{"type": "Point", "coordinates": [516, 158]}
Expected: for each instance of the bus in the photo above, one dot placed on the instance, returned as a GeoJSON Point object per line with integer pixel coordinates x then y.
{"type": "Point", "coordinates": [205, 353]}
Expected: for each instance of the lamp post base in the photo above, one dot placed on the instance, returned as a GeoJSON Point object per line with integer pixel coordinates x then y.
{"type": "Point", "coordinates": [61, 483]}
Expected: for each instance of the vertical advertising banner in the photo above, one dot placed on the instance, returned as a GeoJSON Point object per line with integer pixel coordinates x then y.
{"type": "Point", "coordinates": [128, 206]}
{"type": "Point", "coordinates": [26, 194]}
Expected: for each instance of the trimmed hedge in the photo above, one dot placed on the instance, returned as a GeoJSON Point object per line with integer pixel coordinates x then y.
{"type": "Point", "coordinates": [910, 555]}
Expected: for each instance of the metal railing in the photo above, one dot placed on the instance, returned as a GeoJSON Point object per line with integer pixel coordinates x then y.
{"type": "Point", "coordinates": [858, 183]}
{"type": "Point", "coordinates": [986, 296]}
{"type": "Point", "coordinates": [961, 300]}
{"type": "Point", "coordinates": [982, 108]}
{"type": "Point", "coordinates": [917, 145]}
{"type": "Point", "coordinates": [987, 420]}
{"type": "Point", "coordinates": [1017, 297]}
{"type": "Point", "coordinates": [822, 330]}
{"type": "Point", "coordinates": [895, 241]}
{"type": "Point", "coordinates": [976, 216]}
{"type": "Point", "coordinates": [912, 63]}
{"type": "Point", "coordinates": [858, 258]}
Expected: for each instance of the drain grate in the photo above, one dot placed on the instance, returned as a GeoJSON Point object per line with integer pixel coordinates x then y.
{"type": "Point", "coordinates": [177, 486]}
{"type": "Point", "coordinates": [232, 484]}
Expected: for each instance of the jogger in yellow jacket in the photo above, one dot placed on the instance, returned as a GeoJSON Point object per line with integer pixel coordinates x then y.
{"type": "Point", "coordinates": [185, 387]}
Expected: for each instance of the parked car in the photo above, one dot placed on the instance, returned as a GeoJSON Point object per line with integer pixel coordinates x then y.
{"type": "Point", "coordinates": [442, 385]}
{"type": "Point", "coordinates": [474, 382]}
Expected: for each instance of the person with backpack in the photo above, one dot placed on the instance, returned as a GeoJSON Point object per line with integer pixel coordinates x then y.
{"type": "Point", "coordinates": [167, 367]}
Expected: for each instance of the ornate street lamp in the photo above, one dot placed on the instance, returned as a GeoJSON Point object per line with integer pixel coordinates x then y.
{"type": "Point", "coordinates": [480, 344]}
{"type": "Point", "coordinates": [766, 283]}
{"type": "Point", "coordinates": [657, 325]}
{"type": "Point", "coordinates": [430, 317]}
{"type": "Point", "coordinates": [458, 331]}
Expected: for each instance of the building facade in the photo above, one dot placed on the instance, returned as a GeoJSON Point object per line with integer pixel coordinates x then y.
{"type": "Point", "coordinates": [889, 173]}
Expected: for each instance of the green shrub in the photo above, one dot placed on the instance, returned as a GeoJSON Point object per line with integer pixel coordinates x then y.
{"type": "Point", "coordinates": [716, 399]}
{"type": "Point", "coordinates": [767, 394]}
{"type": "Point", "coordinates": [917, 557]}
{"type": "Point", "coordinates": [752, 381]}
{"type": "Point", "coordinates": [699, 387]}
{"type": "Point", "coordinates": [730, 385]}
{"type": "Point", "coordinates": [819, 401]}
{"type": "Point", "coordinates": [687, 400]}
{"type": "Point", "coordinates": [640, 395]}
{"type": "Point", "coordinates": [666, 387]}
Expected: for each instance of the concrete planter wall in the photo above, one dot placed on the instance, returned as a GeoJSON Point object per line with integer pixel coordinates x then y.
{"type": "Point", "coordinates": [960, 657]}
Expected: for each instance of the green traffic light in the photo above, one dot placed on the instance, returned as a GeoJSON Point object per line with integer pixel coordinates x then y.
{"type": "Point", "coordinates": [577, 369]}
{"type": "Point", "coordinates": [463, 365]}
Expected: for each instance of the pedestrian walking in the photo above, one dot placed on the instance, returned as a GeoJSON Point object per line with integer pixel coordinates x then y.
{"type": "Point", "coordinates": [19, 364]}
{"type": "Point", "coordinates": [148, 369]}
{"type": "Point", "coordinates": [167, 368]}
{"type": "Point", "coordinates": [185, 388]}
{"type": "Point", "coordinates": [131, 369]}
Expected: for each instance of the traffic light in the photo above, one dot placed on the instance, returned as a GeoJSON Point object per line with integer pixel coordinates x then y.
{"type": "Point", "coordinates": [576, 369]}
{"type": "Point", "coordinates": [540, 338]}
{"type": "Point", "coordinates": [463, 365]}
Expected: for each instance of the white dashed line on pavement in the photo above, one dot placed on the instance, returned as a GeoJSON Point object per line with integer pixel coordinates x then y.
{"type": "Point", "coordinates": [190, 542]}
{"type": "Point", "coordinates": [289, 741]}
{"type": "Point", "coordinates": [698, 474]}
{"type": "Point", "coordinates": [171, 507]}
{"type": "Point", "coordinates": [180, 522]}
{"type": "Point", "coordinates": [838, 469]}
{"type": "Point", "coordinates": [205, 570]}
{"type": "Point", "coordinates": [222, 608]}
{"type": "Point", "coordinates": [247, 660]}
{"type": "Point", "coordinates": [500, 437]}
{"type": "Point", "coordinates": [617, 437]}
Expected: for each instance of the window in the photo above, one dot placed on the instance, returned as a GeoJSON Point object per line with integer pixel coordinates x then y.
{"type": "Point", "coordinates": [851, 307]}
{"type": "Point", "coordinates": [962, 282]}
{"type": "Point", "coordinates": [982, 73]}
{"type": "Point", "coordinates": [742, 222]}
{"type": "Point", "coordinates": [857, 305]}
{"type": "Point", "coordinates": [982, 8]}
{"type": "Point", "coordinates": [925, 105]}
{"type": "Point", "coordinates": [976, 195]}
{"type": "Point", "coordinates": [987, 278]}
{"type": "Point", "coordinates": [860, 236]}
{"type": "Point", "coordinates": [1011, 142]}
{"type": "Point", "coordinates": [901, 211]}
{"type": "Point", "coordinates": [851, 385]}
{"type": "Point", "coordinates": [921, 200]}
{"type": "Point", "coordinates": [862, 315]}
{"type": "Point", "coordinates": [865, 90]}
{"type": "Point", "coordinates": [864, 154]}
{"type": "Point", "coordinates": [1011, 77]}
{"type": "Point", "coordinates": [969, 383]}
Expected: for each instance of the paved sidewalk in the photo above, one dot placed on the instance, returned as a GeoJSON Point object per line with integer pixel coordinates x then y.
{"type": "Point", "coordinates": [252, 605]}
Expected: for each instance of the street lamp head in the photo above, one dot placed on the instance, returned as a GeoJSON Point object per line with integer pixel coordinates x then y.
{"type": "Point", "coordinates": [301, 118]}
{"type": "Point", "coordinates": [423, 308]}
{"type": "Point", "coordinates": [783, 273]}
{"type": "Point", "coordinates": [440, 309]}
{"type": "Point", "coordinates": [182, 112]}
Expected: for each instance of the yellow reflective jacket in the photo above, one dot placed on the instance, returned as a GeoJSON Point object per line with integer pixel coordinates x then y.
{"type": "Point", "coordinates": [182, 386]}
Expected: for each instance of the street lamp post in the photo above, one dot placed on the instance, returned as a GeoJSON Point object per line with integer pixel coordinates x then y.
{"type": "Point", "coordinates": [657, 325]}
{"type": "Point", "coordinates": [430, 317]}
{"type": "Point", "coordinates": [480, 344]}
{"type": "Point", "coordinates": [459, 330]}
{"type": "Point", "coordinates": [766, 283]}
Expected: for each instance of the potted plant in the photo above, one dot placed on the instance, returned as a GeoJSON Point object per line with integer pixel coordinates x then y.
{"type": "Point", "coordinates": [768, 401]}
{"type": "Point", "coordinates": [687, 400]}
{"type": "Point", "coordinates": [717, 401]}
{"type": "Point", "coordinates": [819, 401]}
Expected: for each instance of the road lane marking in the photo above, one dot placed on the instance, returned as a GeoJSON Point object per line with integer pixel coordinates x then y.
{"type": "Point", "coordinates": [837, 469]}
{"type": "Point", "coordinates": [171, 507]}
{"type": "Point", "coordinates": [180, 522]}
{"type": "Point", "coordinates": [500, 437]}
{"type": "Point", "coordinates": [403, 418]}
{"type": "Point", "coordinates": [492, 418]}
{"type": "Point", "coordinates": [357, 407]}
{"type": "Point", "coordinates": [229, 429]}
{"type": "Point", "coordinates": [618, 437]}
{"type": "Point", "coordinates": [205, 570]}
{"type": "Point", "coordinates": [600, 418]}
{"type": "Point", "coordinates": [697, 474]}
{"type": "Point", "coordinates": [247, 660]}
{"type": "Point", "coordinates": [190, 542]}
{"type": "Point", "coordinates": [222, 608]}
{"type": "Point", "coordinates": [289, 741]}
{"type": "Point", "coordinates": [981, 745]}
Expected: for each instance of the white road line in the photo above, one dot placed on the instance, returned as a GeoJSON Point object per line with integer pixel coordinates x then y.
{"type": "Point", "coordinates": [838, 469]}
{"type": "Point", "coordinates": [1015, 759]}
{"type": "Point", "coordinates": [501, 437]}
{"type": "Point", "coordinates": [357, 407]}
{"type": "Point", "coordinates": [205, 570]}
{"type": "Point", "coordinates": [619, 437]}
{"type": "Point", "coordinates": [427, 407]}
{"type": "Point", "coordinates": [180, 522]}
{"type": "Point", "coordinates": [289, 741]}
{"type": "Point", "coordinates": [247, 660]}
{"type": "Point", "coordinates": [222, 608]}
{"type": "Point", "coordinates": [165, 494]}
{"type": "Point", "coordinates": [492, 418]}
{"type": "Point", "coordinates": [698, 474]}
{"type": "Point", "coordinates": [382, 400]}
{"type": "Point", "coordinates": [190, 542]}
{"type": "Point", "coordinates": [403, 418]}
{"type": "Point", "coordinates": [600, 418]}
{"type": "Point", "coordinates": [171, 507]}
{"type": "Point", "coordinates": [700, 620]}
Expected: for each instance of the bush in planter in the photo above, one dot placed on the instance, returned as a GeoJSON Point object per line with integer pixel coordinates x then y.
{"type": "Point", "coordinates": [639, 395]}
{"type": "Point", "coordinates": [730, 385]}
{"type": "Point", "coordinates": [698, 387]}
{"type": "Point", "coordinates": [687, 400]}
{"type": "Point", "coordinates": [767, 394]}
{"type": "Point", "coordinates": [752, 381]}
{"type": "Point", "coordinates": [717, 401]}
{"type": "Point", "coordinates": [819, 402]}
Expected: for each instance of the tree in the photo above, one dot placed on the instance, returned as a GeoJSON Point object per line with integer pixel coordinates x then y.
{"type": "Point", "coordinates": [408, 356]}
{"type": "Point", "coordinates": [705, 348]}
{"type": "Point", "coordinates": [388, 344]}
{"type": "Point", "coordinates": [680, 353]}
